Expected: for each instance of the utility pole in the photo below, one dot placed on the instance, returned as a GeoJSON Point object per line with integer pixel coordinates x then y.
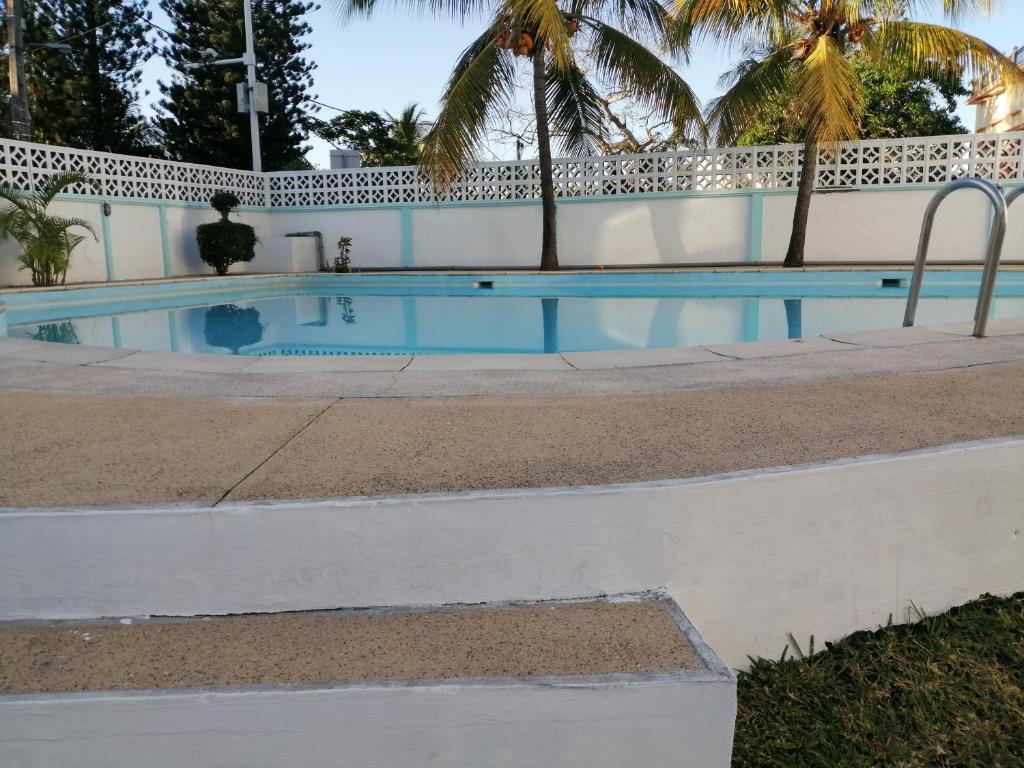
{"type": "Point", "coordinates": [252, 97]}
{"type": "Point", "coordinates": [21, 118]}
{"type": "Point", "coordinates": [250, 80]}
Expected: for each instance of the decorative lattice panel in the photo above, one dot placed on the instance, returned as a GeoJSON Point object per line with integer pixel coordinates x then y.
{"type": "Point", "coordinates": [876, 163]}
{"type": "Point", "coordinates": [928, 160]}
{"type": "Point", "coordinates": [26, 165]}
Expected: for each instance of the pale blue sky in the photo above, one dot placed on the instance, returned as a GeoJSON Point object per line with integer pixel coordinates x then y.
{"type": "Point", "coordinates": [396, 57]}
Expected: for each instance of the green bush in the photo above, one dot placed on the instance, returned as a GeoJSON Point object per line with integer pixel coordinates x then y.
{"type": "Point", "coordinates": [223, 243]}
{"type": "Point", "coordinates": [47, 240]}
{"type": "Point", "coordinates": [343, 262]}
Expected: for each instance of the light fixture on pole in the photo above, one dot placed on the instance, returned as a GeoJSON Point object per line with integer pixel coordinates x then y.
{"type": "Point", "coordinates": [252, 95]}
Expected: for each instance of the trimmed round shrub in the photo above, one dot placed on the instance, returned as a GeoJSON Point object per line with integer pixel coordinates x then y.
{"type": "Point", "coordinates": [223, 243]}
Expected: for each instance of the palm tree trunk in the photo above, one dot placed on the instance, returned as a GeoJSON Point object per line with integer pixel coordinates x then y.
{"type": "Point", "coordinates": [795, 254]}
{"type": "Point", "coordinates": [549, 242]}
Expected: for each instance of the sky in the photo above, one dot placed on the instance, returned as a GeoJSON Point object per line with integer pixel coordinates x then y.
{"type": "Point", "coordinates": [397, 57]}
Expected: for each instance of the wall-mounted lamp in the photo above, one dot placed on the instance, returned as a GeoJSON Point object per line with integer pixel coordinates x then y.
{"type": "Point", "coordinates": [107, 210]}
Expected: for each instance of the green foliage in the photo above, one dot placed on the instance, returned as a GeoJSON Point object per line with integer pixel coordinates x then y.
{"type": "Point", "coordinates": [87, 97]}
{"type": "Point", "coordinates": [895, 105]}
{"type": "Point", "coordinates": [47, 241]}
{"type": "Point", "coordinates": [342, 262]}
{"type": "Point", "coordinates": [223, 243]}
{"type": "Point", "coordinates": [944, 691]}
{"type": "Point", "coordinates": [198, 113]}
{"type": "Point", "coordinates": [232, 327]}
{"type": "Point", "coordinates": [224, 203]}
{"type": "Point", "coordinates": [382, 140]}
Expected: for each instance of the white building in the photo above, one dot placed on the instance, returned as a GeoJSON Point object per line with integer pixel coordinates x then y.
{"type": "Point", "coordinates": [999, 108]}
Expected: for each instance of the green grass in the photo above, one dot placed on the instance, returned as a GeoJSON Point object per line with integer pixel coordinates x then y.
{"type": "Point", "coordinates": [944, 691]}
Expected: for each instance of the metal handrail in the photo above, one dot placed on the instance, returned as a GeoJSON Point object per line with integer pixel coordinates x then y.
{"type": "Point", "coordinates": [992, 255]}
{"type": "Point", "coordinates": [1013, 194]}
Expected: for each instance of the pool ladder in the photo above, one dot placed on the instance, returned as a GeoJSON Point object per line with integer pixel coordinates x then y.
{"type": "Point", "coordinates": [992, 255]}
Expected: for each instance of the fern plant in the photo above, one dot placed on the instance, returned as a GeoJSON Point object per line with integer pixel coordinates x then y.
{"type": "Point", "coordinates": [47, 241]}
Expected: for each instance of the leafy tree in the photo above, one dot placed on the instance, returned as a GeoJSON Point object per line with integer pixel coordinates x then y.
{"type": "Point", "coordinates": [895, 106]}
{"type": "Point", "coordinates": [198, 114]}
{"type": "Point", "coordinates": [87, 97]}
{"type": "Point", "coordinates": [801, 56]}
{"type": "Point", "coordinates": [551, 38]}
{"type": "Point", "coordinates": [381, 139]}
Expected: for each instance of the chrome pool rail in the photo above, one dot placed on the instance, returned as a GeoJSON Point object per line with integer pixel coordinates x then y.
{"type": "Point", "coordinates": [992, 254]}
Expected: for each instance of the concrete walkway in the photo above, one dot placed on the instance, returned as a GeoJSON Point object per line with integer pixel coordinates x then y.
{"type": "Point", "coordinates": [73, 449]}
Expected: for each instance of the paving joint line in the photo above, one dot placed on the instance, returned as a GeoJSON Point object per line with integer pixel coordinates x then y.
{"type": "Point", "coordinates": [303, 428]}
{"type": "Point", "coordinates": [109, 359]}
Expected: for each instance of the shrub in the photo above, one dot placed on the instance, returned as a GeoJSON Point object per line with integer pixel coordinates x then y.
{"type": "Point", "coordinates": [342, 262]}
{"type": "Point", "coordinates": [223, 243]}
{"type": "Point", "coordinates": [47, 241]}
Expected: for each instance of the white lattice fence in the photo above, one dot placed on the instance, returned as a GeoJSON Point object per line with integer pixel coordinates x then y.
{"type": "Point", "coordinates": [887, 162]}
{"type": "Point", "coordinates": [24, 165]}
{"type": "Point", "coordinates": [875, 163]}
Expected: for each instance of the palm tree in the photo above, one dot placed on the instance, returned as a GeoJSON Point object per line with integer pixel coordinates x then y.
{"type": "Point", "coordinates": [799, 53]}
{"type": "Point", "coordinates": [550, 36]}
{"type": "Point", "coordinates": [409, 128]}
{"type": "Point", "coordinates": [46, 240]}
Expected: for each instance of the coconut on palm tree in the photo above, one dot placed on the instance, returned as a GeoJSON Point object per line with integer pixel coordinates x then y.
{"type": "Point", "coordinates": [550, 38]}
{"type": "Point", "coordinates": [47, 240]}
{"type": "Point", "coordinates": [799, 53]}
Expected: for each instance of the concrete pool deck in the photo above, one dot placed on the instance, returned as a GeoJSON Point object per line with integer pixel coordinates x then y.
{"type": "Point", "coordinates": [123, 436]}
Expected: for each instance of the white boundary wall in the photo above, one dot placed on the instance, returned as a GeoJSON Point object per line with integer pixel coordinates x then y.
{"type": "Point", "coordinates": [713, 207]}
{"type": "Point", "coordinates": [826, 549]}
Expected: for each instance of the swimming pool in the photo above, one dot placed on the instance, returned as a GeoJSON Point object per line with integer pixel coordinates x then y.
{"type": "Point", "coordinates": [390, 314]}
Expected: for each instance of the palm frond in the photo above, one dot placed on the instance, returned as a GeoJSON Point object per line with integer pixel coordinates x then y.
{"type": "Point", "coordinates": [482, 81]}
{"type": "Point", "coordinates": [753, 86]}
{"type": "Point", "coordinates": [57, 183]}
{"type": "Point", "coordinates": [65, 223]}
{"type": "Point", "coordinates": [575, 109]}
{"type": "Point", "coordinates": [647, 19]}
{"type": "Point", "coordinates": [924, 49]}
{"type": "Point", "coordinates": [829, 94]}
{"type": "Point", "coordinates": [458, 10]}
{"type": "Point", "coordinates": [729, 22]}
{"type": "Point", "coordinates": [654, 85]}
{"type": "Point", "coordinates": [957, 11]}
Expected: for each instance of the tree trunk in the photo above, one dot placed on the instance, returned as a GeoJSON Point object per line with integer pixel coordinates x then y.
{"type": "Point", "coordinates": [549, 243]}
{"type": "Point", "coordinates": [809, 170]}
{"type": "Point", "coordinates": [96, 122]}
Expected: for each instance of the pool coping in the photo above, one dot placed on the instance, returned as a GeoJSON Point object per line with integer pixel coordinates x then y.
{"type": "Point", "coordinates": [136, 359]}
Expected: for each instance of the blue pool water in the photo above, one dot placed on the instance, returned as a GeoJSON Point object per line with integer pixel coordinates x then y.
{"type": "Point", "coordinates": [492, 313]}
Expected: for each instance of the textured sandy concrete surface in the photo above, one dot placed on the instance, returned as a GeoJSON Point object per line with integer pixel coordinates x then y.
{"type": "Point", "coordinates": [61, 450]}
{"type": "Point", "coordinates": [394, 446]}
{"type": "Point", "coordinates": [584, 638]}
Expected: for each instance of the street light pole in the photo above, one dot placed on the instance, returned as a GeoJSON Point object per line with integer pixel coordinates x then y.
{"type": "Point", "coordinates": [21, 118]}
{"type": "Point", "coordinates": [250, 79]}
